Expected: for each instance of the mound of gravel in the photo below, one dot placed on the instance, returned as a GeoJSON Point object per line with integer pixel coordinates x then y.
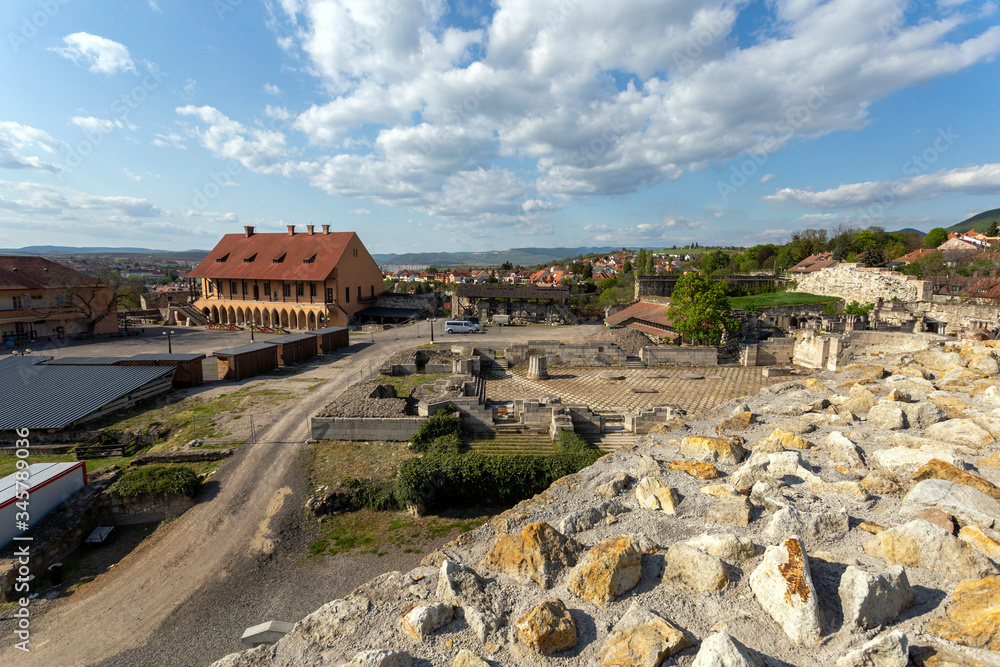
{"type": "Point", "coordinates": [366, 400]}
{"type": "Point", "coordinates": [630, 340]}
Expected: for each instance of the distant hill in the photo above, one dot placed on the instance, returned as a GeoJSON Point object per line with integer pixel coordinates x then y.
{"type": "Point", "coordinates": [71, 251]}
{"type": "Point", "coordinates": [980, 222]}
{"type": "Point", "coordinates": [909, 230]}
{"type": "Point", "coordinates": [522, 256]}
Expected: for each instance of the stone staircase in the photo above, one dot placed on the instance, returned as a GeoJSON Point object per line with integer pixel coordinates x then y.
{"type": "Point", "coordinates": [634, 362]}
{"type": "Point", "coordinates": [614, 438]}
{"type": "Point", "coordinates": [197, 318]}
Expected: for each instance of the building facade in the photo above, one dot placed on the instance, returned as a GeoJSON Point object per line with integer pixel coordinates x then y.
{"type": "Point", "coordinates": [298, 280]}
{"type": "Point", "coordinates": [41, 299]}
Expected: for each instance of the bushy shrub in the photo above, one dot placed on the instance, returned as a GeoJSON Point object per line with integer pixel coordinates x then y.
{"type": "Point", "coordinates": [444, 422]}
{"type": "Point", "coordinates": [378, 495]}
{"type": "Point", "coordinates": [156, 479]}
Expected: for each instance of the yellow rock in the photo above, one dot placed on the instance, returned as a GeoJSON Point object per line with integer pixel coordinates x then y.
{"type": "Point", "coordinates": [897, 395]}
{"type": "Point", "coordinates": [539, 553]}
{"type": "Point", "coordinates": [973, 617]}
{"type": "Point", "coordinates": [788, 440]}
{"type": "Point", "coordinates": [642, 638]}
{"type": "Point", "coordinates": [719, 490]}
{"type": "Point", "coordinates": [977, 538]}
{"type": "Point", "coordinates": [703, 448]}
{"type": "Point", "coordinates": [547, 628]}
{"type": "Point", "coordinates": [952, 407]}
{"type": "Point", "coordinates": [611, 568]}
{"type": "Point", "coordinates": [816, 387]}
{"type": "Point", "coordinates": [938, 469]}
{"type": "Point", "coordinates": [991, 461]}
{"type": "Point", "coordinates": [651, 493]}
{"type": "Point", "coordinates": [700, 470]}
{"type": "Point", "coordinates": [467, 658]}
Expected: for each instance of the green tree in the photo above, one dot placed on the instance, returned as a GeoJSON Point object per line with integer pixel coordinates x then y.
{"type": "Point", "coordinates": [700, 310]}
{"type": "Point", "coordinates": [506, 266]}
{"type": "Point", "coordinates": [935, 237]}
{"type": "Point", "coordinates": [931, 264]}
{"type": "Point", "coordinates": [994, 229]}
{"type": "Point", "coordinates": [855, 308]}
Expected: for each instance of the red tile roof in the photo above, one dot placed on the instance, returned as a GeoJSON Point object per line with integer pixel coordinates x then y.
{"type": "Point", "coordinates": [233, 249]}
{"type": "Point", "coordinates": [644, 310]}
{"type": "Point", "coordinates": [814, 263]}
{"type": "Point", "coordinates": [915, 255]}
{"type": "Point", "coordinates": [30, 273]}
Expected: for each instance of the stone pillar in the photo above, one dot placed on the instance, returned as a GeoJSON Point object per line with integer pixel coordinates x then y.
{"type": "Point", "coordinates": [537, 369]}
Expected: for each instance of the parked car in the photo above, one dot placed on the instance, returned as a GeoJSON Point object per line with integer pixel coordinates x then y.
{"type": "Point", "coordinates": [501, 320]}
{"type": "Point", "coordinates": [461, 326]}
{"type": "Point", "coordinates": [474, 320]}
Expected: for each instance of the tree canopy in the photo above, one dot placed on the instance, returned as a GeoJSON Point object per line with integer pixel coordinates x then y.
{"type": "Point", "coordinates": [700, 309]}
{"type": "Point", "coordinates": [935, 237]}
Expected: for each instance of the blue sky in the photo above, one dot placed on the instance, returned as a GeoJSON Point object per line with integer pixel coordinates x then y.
{"type": "Point", "coordinates": [433, 125]}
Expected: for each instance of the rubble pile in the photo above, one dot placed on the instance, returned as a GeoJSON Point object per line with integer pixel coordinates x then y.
{"type": "Point", "coordinates": [853, 518]}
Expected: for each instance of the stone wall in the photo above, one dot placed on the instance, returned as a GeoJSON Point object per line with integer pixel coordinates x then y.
{"type": "Point", "coordinates": [146, 508]}
{"type": "Point", "coordinates": [700, 356]}
{"type": "Point", "coordinates": [771, 352]}
{"type": "Point", "coordinates": [817, 352]}
{"type": "Point", "coordinates": [853, 283]}
{"type": "Point", "coordinates": [396, 429]}
{"type": "Point", "coordinates": [428, 303]}
{"type": "Point", "coordinates": [561, 354]}
{"type": "Point", "coordinates": [958, 316]}
{"type": "Point", "coordinates": [538, 415]}
{"type": "Point", "coordinates": [411, 369]}
{"type": "Point", "coordinates": [643, 421]}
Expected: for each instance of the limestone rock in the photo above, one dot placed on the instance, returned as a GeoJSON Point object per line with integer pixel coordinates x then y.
{"type": "Point", "coordinates": [935, 656]}
{"type": "Point", "coordinates": [787, 439]}
{"type": "Point", "coordinates": [887, 415]}
{"type": "Point", "coordinates": [920, 543]}
{"type": "Point", "coordinates": [421, 621]}
{"type": "Point", "coordinates": [874, 600]}
{"type": "Point", "coordinates": [881, 483]}
{"type": "Point", "coordinates": [694, 569]}
{"type": "Point", "coordinates": [970, 506]}
{"type": "Point", "coordinates": [614, 486]}
{"type": "Point", "coordinates": [460, 584]}
{"type": "Point", "coordinates": [482, 621]}
{"type": "Point", "coordinates": [610, 568]}
{"type": "Point", "coordinates": [725, 546]}
{"type": "Point", "coordinates": [906, 461]}
{"type": "Point", "coordinates": [964, 432]}
{"type": "Point", "coordinates": [938, 469]}
{"type": "Point", "coordinates": [860, 400]}
{"type": "Point", "coordinates": [783, 585]}
{"type": "Point", "coordinates": [973, 617]}
{"type": "Point", "coordinates": [585, 519]}
{"type": "Point", "coordinates": [937, 359]}
{"type": "Point", "coordinates": [699, 470]}
{"type": "Point", "coordinates": [721, 650]}
{"type": "Point", "coordinates": [810, 526]}
{"type": "Point", "coordinates": [539, 553]}
{"type": "Point", "coordinates": [761, 466]}
{"type": "Point", "coordinates": [984, 364]}
{"type": "Point", "coordinates": [991, 461]}
{"type": "Point", "coordinates": [740, 421]}
{"type": "Point", "coordinates": [547, 628]}
{"type": "Point", "coordinates": [923, 414]}
{"type": "Point", "coordinates": [799, 426]}
{"type": "Point", "coordinates": [991, 395]}
{"type": "Point", "coordinates": [651, 493]}
{"type": "Point", "coordinates": [719, 490]}
{"type": "Point", "coordinates": [888, 650]}
{"type": "Point", "coordinates": [381, 658]}
{"type": "Point", "coordinates": [981, 541]}
{"type": "Point", "coordinates": [734, 510]}
{"type": "Point", "coordinates": [467, 658]}
{"type": "Point", "coordinates": [899, 396]}
{"type": "Point", "coordinates": [642, 638]}
{"type": "Point", "coordinates": [711, 450]}
{"type": "Point", "coordinates": [843, 449]}
{"type": "Point", "coordinates": [938, 518]}
{"type": "Point", "coordinates": [953, 408]}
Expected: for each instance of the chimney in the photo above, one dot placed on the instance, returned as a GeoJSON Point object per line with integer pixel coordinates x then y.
{"type": "Point", "coordinates": [291, 230]}
{"type": "Point", "coordinates": [310, 228]}
{"type": "Point", "coordinates": [326, 229]}
{"type": "Point", "coordinates": [248, 230]}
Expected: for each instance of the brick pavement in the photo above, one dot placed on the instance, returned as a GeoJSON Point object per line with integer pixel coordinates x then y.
{"type": "Point", "coordinates": [584, 385]}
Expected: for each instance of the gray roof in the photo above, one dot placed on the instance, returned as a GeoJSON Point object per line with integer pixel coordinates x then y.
{"type": "Point", "coordinates": [53, 397]}
{"type": "Point", "coordinates": [290, 338]}
{"type": "Point", "coordinates": [153, 356]}
{"type": "Point", "coordinates": [243, 349]}
{"type": "Point", "coordinates": [326, 330]}
{"type": "Point", "coordinates": [38, 474]}
{"type": "Point", "coordinates": [16, 362]}
{"type": "Point", "coordinates": [84, 361]}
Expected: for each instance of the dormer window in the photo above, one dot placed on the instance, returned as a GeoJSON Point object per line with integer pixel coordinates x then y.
{"type": "Point", "coordinates": [220, 260]}
{"type": "Point", "coordinates": [247, 260]}
{"type": "Point", "coordinates": [309, 260]}
{"type": "Point", "coordinates": [279, 259]}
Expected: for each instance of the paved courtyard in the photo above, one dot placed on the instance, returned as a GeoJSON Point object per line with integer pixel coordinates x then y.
{"type": "Point", "coordinates": [657, 386]}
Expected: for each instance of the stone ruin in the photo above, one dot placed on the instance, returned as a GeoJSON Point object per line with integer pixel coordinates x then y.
{"type": "Point", "coordinates": [849, 519]}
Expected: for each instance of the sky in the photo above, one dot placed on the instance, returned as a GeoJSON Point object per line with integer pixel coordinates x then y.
{"type": "Point", "coordinates": [427, 125]}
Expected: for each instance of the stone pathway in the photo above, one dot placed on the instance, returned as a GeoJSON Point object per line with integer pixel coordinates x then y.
{"type": "Point", "coordinates": [584, 385]}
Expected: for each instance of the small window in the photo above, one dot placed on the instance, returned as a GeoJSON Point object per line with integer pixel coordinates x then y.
{"type": "Point", "coordinates": [347, 294]}
{"type": "Point", "coordinates": [267, 288]}
{"type": "Point", "coordinates": [299, 289]}
{"type": "Point", "coordinates": [18, 302]}
{"type": "Point", "coordinates": [211, 287]}
{"type": "Point", "coordinates": [373, 291]}
{"type": "Point", "coordinates": [279, 259]}
{"type": "Point", "coordinates": [220, 260]}
{"type": "Point", "coordinates": [247, 260]}
{"type": "Point", "coordinates": [359, 292]}
{"type": "Point", "coordinates": [232, 287]}
{"type": "Point", "coordinates": [312, 289]}
{"type": "Point", "coordinates": [59, 300]}
{"type": "Point", "coordinates": [286, 289]}
{"type": "Point", "coordinates": [246, 288]}
{"type": "Point", "coordinates": [309, 260]}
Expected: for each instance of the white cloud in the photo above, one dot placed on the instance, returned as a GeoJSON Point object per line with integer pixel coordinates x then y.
{"type": "Point", "coordinates": [262, 151]}
{"type": "Point", "coordinates": [277, 113]}
{"type": "Point", "coordinates": [974, 180]}
{"type": "Point", "coordinates": [100, 125]}
{"type": "Point", "coordinates": [169, 140]}
{"type": "Point", "coordinates": [271, 89]}
{"type": "Point", "coordinates": [220, 218]}
{"type": "Point", "coordinates": [15, 138]}
{"type": "Point", "coordinates": [189, 87]}
{"type": "Point", "coordinates": [40, 199]}
{"type": "Point", "coordinates": [360, 211]}
{"type": "Point", "coordinates": [155, 6]}
{"type": "Point", "coordinates": [98, 54]}
{"type": "Point", "coordinates": [766, 178]}
{"type": "Point", "coordinates": [135, 177]}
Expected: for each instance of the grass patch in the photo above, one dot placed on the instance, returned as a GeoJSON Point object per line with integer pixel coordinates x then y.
{"type": "Point", "coordinates": [405, 383]}
{"type": "Point", "coordinates": [156, 479]}
{"type": "Point", "coordinates": [365, 531]}
{"type": "Point", "coordinates": [331, 462]}
{"type": "Point", "coordinates": [772, 299]}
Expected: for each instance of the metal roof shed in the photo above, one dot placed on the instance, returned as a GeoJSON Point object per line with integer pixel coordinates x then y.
{"type": "Point", "coordinates": [44, 397]}
{"type": "Point", "coordinates": [48, 486]}
{"type": "Point", "coordinates": [331, 338]}
{"type": "Point", "coordinates": [246, 361]}
{"type": "Point", "coordinates": [294, 348]}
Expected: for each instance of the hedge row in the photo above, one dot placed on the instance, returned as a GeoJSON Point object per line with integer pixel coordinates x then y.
{"type": "Point", "coordinates": [156, 479]}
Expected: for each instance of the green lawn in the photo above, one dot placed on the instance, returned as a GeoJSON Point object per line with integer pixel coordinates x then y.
{"type": "Point", "coordinates": [771, 299]}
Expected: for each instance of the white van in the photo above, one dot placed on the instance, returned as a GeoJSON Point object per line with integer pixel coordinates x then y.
{"type": "Point", "coordinates": [460, 326]}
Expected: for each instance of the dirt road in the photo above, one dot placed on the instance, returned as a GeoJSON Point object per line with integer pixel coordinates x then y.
{"type": "Point", "coordinates": [183, 596]}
